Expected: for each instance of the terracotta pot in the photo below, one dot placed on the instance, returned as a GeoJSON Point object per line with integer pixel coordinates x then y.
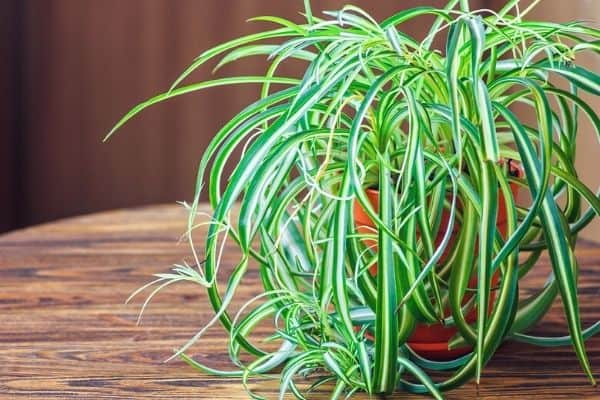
{"type": "Point", "coordinates": [431, 341]}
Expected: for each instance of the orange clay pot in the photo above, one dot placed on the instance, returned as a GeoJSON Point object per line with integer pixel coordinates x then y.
{"type": "Point", "coordinates": [431, 341]}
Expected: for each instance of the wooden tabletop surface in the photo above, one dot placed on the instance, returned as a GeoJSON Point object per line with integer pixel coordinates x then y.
{"type": "Point", "coordinates": [65, 331]}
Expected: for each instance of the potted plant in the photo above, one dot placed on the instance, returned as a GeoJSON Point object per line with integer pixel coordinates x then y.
{"type": "Point", "coordinates": [377, 195]}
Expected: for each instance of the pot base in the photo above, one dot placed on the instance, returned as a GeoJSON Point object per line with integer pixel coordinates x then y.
{"type": "Point", "coordinates": [438, 351]}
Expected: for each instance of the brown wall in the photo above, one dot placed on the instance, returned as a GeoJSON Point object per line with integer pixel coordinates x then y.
{"type": "Point", "coordinates": [71, 68]}
{"type": "Point", "coordinates": [10, 148]}
{"type": "Point", "coordinates": [85, 63]}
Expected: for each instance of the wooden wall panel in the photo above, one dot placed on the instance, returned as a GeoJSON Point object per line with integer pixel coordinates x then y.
{"type": "Point", "coordinates": [85, 63]}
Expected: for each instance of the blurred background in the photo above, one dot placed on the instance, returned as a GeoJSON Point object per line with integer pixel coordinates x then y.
{"type": "Point", "coordinates": [70, 68]}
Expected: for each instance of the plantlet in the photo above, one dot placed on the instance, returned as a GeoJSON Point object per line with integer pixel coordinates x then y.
{"type": "Point", "coordinates": [434, 133]}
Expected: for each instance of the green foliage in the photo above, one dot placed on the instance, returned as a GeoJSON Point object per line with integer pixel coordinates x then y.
{"type": "Point", "coordinates": [432, 130]}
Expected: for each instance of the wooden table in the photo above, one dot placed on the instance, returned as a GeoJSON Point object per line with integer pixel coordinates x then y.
{"type": "Point", "coordinates": [66, 332]}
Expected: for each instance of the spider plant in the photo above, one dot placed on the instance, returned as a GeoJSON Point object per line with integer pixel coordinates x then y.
{"type": "Point", "coordinates": [434, 132]}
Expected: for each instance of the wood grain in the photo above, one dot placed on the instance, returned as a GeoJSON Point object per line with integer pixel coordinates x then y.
{"type": "Point", "coordinates": [66, 333]}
